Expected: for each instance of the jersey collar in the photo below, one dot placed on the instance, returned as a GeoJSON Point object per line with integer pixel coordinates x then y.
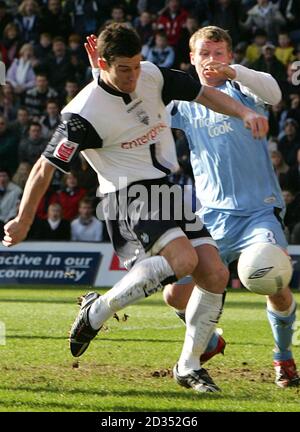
{"type": "Point", "coordinates": [125, 96]}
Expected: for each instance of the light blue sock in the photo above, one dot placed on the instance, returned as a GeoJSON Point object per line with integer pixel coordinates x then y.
{"type": "Point", "coordinates": [282, 329]}
{"type": "Point", "coordinates": [213, 342]}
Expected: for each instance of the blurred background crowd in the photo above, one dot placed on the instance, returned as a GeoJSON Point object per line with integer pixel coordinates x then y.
{"type": "Point", "coordinates": [41, 44]}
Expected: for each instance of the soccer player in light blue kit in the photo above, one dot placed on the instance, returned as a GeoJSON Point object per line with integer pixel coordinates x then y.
{"type": "Point", "coordinates": [235, 182]}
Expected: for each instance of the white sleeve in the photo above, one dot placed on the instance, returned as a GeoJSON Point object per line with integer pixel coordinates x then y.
{"type": "Point", "coordinates": [259, 85]}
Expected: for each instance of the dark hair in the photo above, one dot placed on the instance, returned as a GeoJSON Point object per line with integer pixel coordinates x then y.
{"type": "Point", "coordinates": [23, 108]}
{"type": "Point", "coordinates": [35, 123]}
{"type": "Point", "coordinates": [54, 101]}
{"type": "Point", "coordinates": [5, 170]}
{"type": "Point", "coordinates": [86, 201]}
{"type": "Point", "coordinates": [41, 74]}
{"type": "Point", "coordinates": [161, 33]}
{"type": "Point", "coordinates": [58, 39]}
{"type": "Point", "coordinates": [118, 40]}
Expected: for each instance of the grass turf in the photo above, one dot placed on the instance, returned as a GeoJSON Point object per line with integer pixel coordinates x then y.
{"type": "Point", "coordinates": [128, 366]}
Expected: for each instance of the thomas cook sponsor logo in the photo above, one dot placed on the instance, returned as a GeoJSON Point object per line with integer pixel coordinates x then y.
{"type": "Point", "coordinates": [147, 138]}
{"type": "Point", "coordinates": [260, 273]}
{"type": "Point", "coordinates": [221, 129]}
{"type": "Point", "coordinates": [65, 150]}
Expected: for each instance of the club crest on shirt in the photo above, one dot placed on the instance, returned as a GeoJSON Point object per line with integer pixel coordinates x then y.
{"type": "Point", "coordinates": [143, 116]}
{"type": "Point", "coordinates": [145, 238]}
{"type": "Point", "coordinates": [65, 150]}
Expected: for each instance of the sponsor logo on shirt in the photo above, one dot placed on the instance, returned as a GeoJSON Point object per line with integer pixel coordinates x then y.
{"type": "Point", "coordinates": [148, 137]}
{"type": "Point", "coordinates": [221, 129]}
{"type": "Point", "coordinates": [217, 124]}
{"type": "Point", "coordinates": [65, 150]}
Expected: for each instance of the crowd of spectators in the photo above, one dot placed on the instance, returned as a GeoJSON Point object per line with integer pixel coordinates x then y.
{"type": "Point", "coordinates": [41, 44]}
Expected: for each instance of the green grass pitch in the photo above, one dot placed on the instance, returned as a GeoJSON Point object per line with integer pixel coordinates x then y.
{"type": "Point", "coordinates": [128, 366]}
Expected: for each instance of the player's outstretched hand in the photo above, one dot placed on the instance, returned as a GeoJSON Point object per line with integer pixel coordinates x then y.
{"type": "Point", "coordinates": [91, 49]}
{"type": "Point", "coordinates": [258, 124]}
{"type": "Point", "coordinates": [14, 232]}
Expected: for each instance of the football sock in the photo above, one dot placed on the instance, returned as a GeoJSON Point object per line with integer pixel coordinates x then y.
{"type": "Point", "coordinates": [282, 329]}
{"type": "Point", "coordinates": [202, 313]}
{"type": "Point", "coordinates": [213, 341]}
{"type": "Point", "coordinates": [181, 314]}
{"type": "Point", "coordinates": [143, 280]}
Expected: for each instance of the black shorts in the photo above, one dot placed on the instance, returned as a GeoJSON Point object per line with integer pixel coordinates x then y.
{"type": "Point", "coordinates": [147, 215]}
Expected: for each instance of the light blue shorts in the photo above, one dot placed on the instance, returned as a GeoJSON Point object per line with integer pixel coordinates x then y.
{"type": "Point", "coordinates": [233, 234]}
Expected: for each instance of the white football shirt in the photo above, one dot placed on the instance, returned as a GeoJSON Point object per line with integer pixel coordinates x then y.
{"type": "Point", "coordinates": [125, 137]}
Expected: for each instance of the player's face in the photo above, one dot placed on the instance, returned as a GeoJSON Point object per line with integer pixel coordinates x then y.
{"type": "Point", "coordinates": [123, 73]}
{"type": "Point", "coordinates": [206, 52]}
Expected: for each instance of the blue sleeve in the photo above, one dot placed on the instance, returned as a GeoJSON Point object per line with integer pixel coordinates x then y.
{"type": "Point", "coordinates": [177, 118]}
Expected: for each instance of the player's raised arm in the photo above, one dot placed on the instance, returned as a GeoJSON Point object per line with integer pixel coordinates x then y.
{"type": "Point", "coordinates": [220, 102]}
{"type": "Point", "coordinates": [91, 50]}
{"type": "Point", "coordinates": [250, 81]}
{"type": "Point", "coordinates": [38, 182]}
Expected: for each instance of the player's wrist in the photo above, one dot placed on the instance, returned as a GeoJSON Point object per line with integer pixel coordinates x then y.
{"type": "Point", "coordinates": [245, 112]}
{"type": "Point", "coordinates": [26, 221]}
{"type": "Point", "coordinates": [231, 73]}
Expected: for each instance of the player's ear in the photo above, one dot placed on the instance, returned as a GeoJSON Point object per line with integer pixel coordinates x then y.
{"type": "Point", "coordinates": [192, 58]}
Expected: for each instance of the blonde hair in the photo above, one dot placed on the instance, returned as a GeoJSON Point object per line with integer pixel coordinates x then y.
{"type": "Point", "coordinates": [22, 7]}
{"type": "Point", "coordinates": [25, 47]}
{"type": "Point", "coordinates": [212, 33]}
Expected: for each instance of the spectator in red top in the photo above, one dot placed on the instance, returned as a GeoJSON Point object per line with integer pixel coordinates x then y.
{"type": "Point", "coordinates": [3, 54]}
{"type": "Point", "coordinates": [172, 21]}
{"type": "Point", "coordinates": [70, 196]}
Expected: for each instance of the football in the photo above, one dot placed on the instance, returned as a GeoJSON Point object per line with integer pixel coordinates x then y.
{"type": "Point", "coordinates": [264, 268]}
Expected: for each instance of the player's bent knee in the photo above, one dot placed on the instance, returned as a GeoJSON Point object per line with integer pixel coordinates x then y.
{"type": "Point", "coordinates": [169, 295]}
{"type": "Point", "coordinates": [216, 281]}
{"type": "Point", "coordinates": [177, 296]}
{"type": "Point", "coordinates": [186, 263]}
{"type": "Point", "coordinates": [181, 256]}
{"type": "Point", "coordinates": [224, 276]}
{"type": "Point", "coordinates": [282, 299]}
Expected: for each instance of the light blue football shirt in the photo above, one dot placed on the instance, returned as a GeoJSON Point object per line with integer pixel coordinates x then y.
{"type": "Point", "coordinates": [233, 172]}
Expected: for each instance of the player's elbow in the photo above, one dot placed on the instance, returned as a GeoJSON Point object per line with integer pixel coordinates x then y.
{"type": "Point", "coordinates": [275, 94]}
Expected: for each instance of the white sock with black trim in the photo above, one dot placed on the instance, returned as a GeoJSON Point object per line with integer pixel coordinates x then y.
{"type": "Point", "coordinates": [202, 314]}
{"type": "Point", "coordinates": [144, 279]}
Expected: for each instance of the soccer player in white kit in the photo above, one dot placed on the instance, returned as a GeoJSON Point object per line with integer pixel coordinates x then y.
{"type": "Point", "coordinates": [120, 125]}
